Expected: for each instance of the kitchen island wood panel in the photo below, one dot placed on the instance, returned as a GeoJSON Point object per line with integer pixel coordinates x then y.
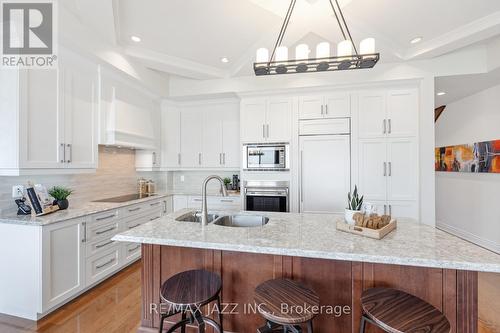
{"type": "Point", "coordinates": [338, 283]}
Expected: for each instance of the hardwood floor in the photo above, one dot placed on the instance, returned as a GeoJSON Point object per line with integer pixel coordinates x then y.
{"type": "Point", "coordinates": [112, 306]}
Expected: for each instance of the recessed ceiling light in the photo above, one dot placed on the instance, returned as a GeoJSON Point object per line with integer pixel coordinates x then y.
{"type": "Point", "coordinates": [135, 39]}
{"type": "Point", "coordinates": [224, 60]}
{"type": "Point", "coordinates": [416, 40]}
{"type": "Point", "coordinates": [441, 93]}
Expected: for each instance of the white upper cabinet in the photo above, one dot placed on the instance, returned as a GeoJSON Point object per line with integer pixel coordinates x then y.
{"type": "Point", "coordinates": [191, 136]}
{"type": "Point", "coordinates": [231, 136]}
{"type": "Point", "coordinates": [392, 113]}
{"type": "Point", "coordinates": [171, 136]}
{"type": "Point", "coordinates": [212, 136]}
{"type": "Point", "coordinates": [253, 120]}
{"type": "Point", "coordinates": [335, 105]}
{"type": "Point", "coordinates": [52, 118]}
{"type": "Point", "coordinates": [266, 120]}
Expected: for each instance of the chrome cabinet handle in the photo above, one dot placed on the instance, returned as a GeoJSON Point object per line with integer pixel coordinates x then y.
{"type": "Point", "coordinates": [220, 158]}
{"type": "Point", "coordinates": [226, 200]}
{"type": "Point", "coordinates": [301, 176]}
{"type": "Point", "coordinates": [322, 109]}
{"type": "Point", "coordinates": [390, 169]}
{"type": "Point", "coordinates": [134, 226]}
{"type": "Point", "coordinates": [105, 217]}
{"type": "Point", "coordinates": [385, 209]}
{"type": "Point", "coordinates": [385, 126]}
{"type": "Point", "coordinates": [385, 169]}
{"type": "Point", "coordinates": [267, 126]}
{"type": "Point", "coordinates": [199, 158]}
{"type": "Point", "coordinates": [62, 151]}
{"type": "Point", "coordinates": [154, 158]}
{"type": "Point", "coordinates": [224, 158]}
{"type": "Point", "coordinates": [134, 209]}
{"type": "Point", "coordinates": [263, 130]}
{"type": "Point", "coordinates": [326, 109]}
{"type": "Point", "coordinates": [70, 147]}
{"type": "Point", "coordinates": [179, 158]}
{"type": "Point", "coordinates": [84, 226]}
{"type": "Point", "coordinates": [390, 126]}
{"type": "Point", "coordinates": [390, 210]}
{"type": "Point", "coordinates": [154, 218]}
{"type": "Point", "coordinates": [106, 264]}
{"type": "Point", "coordinates": [105, 231]}
{"type": "Point", "coordinates": [103, 245]}
{"type": "Point", "coordinates": [134, 248]}
{"type": "Point", "coordinates": [155, 203]}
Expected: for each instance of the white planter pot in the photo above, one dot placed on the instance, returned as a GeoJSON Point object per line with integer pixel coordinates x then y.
{"type": "Point", "coordinates": [349, 214]}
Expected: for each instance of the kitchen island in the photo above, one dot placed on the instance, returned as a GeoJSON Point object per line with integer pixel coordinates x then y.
{"type": "Point", "coordinates": [431, 264]}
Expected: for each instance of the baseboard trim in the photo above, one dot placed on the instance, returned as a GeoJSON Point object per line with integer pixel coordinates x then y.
{"type": "Point", "coordinates": [486, 243]}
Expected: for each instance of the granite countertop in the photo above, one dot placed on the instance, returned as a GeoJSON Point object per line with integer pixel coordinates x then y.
{"type": "Point", "coordinates": [75, 210]}
{"type": "Point", "coordinates": [315, 236]}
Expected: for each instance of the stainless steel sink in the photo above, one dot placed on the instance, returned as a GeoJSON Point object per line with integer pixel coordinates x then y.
{"type": "Point", "coordinates": [241, 221]}
{"type": "Point", "coordinates": [196, 217]}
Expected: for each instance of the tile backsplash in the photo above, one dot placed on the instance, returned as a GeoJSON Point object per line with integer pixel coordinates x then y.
{"type": "Point", "coordinates": [116, 175]}
{"type": "Point", "coordinates": [193, 181]}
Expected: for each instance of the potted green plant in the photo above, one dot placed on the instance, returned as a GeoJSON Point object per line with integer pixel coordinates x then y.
{"type": "Point", "coordinates": [60, 195]}
{"type": "Point", "coordinates": [227, 182]}
{"type": "Point", "coordinates": [354, 204]}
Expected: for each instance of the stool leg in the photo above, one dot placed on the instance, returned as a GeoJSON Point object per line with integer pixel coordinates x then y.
{"type": "Point", "coordinates": [183, 328]}
{"type": "Point", "coordinates": [363, 324]}
{"type": "Point", "coordinates": [220, 314]}
{"type": "Point", "coordinates": [310, 327]}
{"type": "Point", "coordinates": [199, 319]}
{"type": "Point", "coordinates": [162, 318]}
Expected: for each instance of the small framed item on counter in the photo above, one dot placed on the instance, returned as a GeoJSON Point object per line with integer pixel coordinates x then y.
{"type": "Point", "coordinates": [39, 200]}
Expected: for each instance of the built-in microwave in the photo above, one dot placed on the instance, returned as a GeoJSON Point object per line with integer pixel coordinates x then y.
{"type": "Point", "coordinates": [266, 157]}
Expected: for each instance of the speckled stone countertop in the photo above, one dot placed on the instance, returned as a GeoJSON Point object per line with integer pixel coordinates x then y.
{"type": "Point", "coordinates": [315, 236]}
{"type": "Point", "coordinates": [75, 210]}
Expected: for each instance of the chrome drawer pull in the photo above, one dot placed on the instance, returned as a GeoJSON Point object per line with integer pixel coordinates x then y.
{"type": "Point", "coordinates": [105, 264]}
{"type": "Point", "coordinates": [155, 204]}
{"type": "Point", "coordinates": [154, 218]}
{"type": "Point", "coordinates": [133, 249]}
{"type": "Point", "coordinates": [134, 209]}
{"type": "Point", "coordinates": [105, 217]}
{"type": "Point", "coordinates": [226, 200]}
{"type": "Point", "coordinates": [103, 245]}
{"type": "Point", "coordinates": [105, 231]}
{"type": "Point", "coordinates": [134, 226]}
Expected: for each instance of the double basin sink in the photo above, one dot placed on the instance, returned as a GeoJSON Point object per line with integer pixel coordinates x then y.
{"type": "Point", "coordinates": [238, 221]}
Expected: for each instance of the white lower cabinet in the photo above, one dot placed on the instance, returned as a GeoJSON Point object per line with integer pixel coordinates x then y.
{"type": "Point", "coordinates": [63, 254]}
{"type": "Point", "coordinates": [102, 264]}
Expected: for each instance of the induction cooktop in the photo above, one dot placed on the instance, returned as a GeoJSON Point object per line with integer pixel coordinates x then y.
{"type": "Point", "coordinates": [125, 198]}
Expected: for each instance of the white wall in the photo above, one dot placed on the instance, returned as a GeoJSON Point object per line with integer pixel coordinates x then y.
{"type": "Point", "coordinates": [467, 204]}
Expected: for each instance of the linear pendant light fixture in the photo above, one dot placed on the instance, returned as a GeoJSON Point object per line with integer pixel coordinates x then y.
{"type": "Point", "coordinates": [347, 54]}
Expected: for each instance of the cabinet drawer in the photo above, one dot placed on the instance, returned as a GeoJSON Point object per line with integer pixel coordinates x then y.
{"type": "Point", "coordinates": [325, 126]}
{"type": "Point", "coordinates": [195, 202]}
{"type": "Point", "coordinates": [102, 230]}
{"type": "Point", "coordinates": [104, 217]}
{"type": "Point", "coordinates": [99, 246]}
{"type": "Point", "coordinates": [136, 221]}
{"type": "Point", "coordinates": [132, 252]}
{"type": "Point", "coordinates": [101, 265]}
{"type": "Point", "coordinates": [142, 208]}
{"type": "Point", "coordinates": [226, 201]}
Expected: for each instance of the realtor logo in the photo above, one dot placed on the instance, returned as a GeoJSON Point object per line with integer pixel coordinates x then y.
{"type": "Point", "coordinates": [28, 33]}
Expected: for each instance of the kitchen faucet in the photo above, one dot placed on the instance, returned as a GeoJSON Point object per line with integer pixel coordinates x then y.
{"type": "Point", "coordinates": [204, 209]}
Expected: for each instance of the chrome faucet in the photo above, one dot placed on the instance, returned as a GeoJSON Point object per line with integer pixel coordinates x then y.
{"type": "Point", "coordinates": [204, 209]}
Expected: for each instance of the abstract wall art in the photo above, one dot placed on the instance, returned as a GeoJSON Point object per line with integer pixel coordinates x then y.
{"type": "Point", "coordinates": [480, 157]}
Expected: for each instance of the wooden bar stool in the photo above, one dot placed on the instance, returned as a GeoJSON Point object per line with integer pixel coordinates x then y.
{"type": "Point", "coordinates": [395, 311]}
{"type": "Point", "coordinates": [186, 293]}
{"type": "Point", "coordinates": [285, 304]}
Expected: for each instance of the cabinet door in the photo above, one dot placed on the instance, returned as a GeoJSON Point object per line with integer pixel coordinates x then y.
{"type": "Point", "coordinates": [41, 119]}
{"type": "Point", "coordinates": [279, 120]}
{"type": "Point", "coordinates": [80, 114]}
{"type": "Point", "coordinates": [253, 119]}
{"type": "Point", "coordinates": [372, 115]}
{"type": "Point", "coordinates": [147, 160]}
{"type": "Point", "coordinates": [212, 137]}
{"type": "Point", "coordinates": [402, 113]}
{"type": "Point", "coordinates": [311, 107]}
{"type": "Point", "coordinates": [171, 137]}
{"type": "Point", "coordinates": [337, 106]}
{"type": "Point", "coordinates": [191, 137]}
{"type": "Point", "coordinates": [231, 136]}
{"type": "Point", "coordinates": [373, 168]}
{"type": "Point", "coordinates": [62, 261]}
{"type": "Point", "coordinates": [402, 175]}
{"type": "Point", "coordinates": [325, 173]}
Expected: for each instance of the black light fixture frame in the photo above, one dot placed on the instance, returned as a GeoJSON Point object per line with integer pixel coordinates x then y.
{"type": "Point", "coordinates": [355, 61]}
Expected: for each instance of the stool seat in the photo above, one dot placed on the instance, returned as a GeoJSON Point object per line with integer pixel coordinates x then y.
{"type": "Point", "coordinates": [298, 301]}
{"type": "Point", "coordinates": [196, 287]}
{"type": "Point", "coordinates": [396, 311]}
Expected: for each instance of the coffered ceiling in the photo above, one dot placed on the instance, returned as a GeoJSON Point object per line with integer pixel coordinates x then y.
{"type": "Point", "coordinates": [190, 37]}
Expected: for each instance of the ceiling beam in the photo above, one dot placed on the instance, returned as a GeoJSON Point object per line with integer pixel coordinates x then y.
{"type": "Point", "coordinates": [438, 111]}
{"type": "Point", "coordinates": [174, 65]}
{"type": "Point", "coordinates": [473, 32]}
